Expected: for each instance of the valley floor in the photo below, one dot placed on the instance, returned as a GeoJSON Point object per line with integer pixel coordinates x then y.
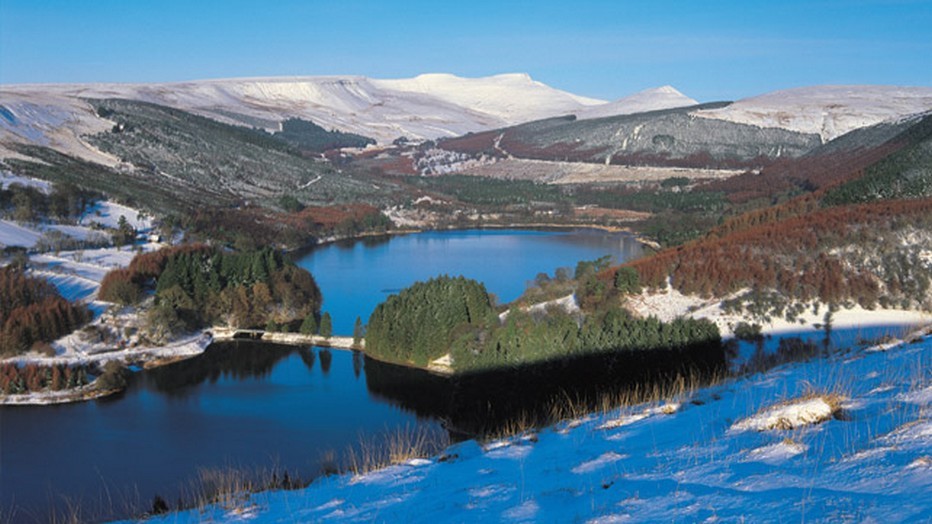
{"type": "Point", "coordinates": [846, 437]}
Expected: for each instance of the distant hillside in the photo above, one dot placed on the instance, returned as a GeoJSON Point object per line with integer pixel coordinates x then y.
{"type": "Point", "coordinates": [169, 160]}
{"type": "Point", "coordinates": [672, 137]}
{"type": "Point", "coordinates": [862, 235]}
{"type": "Point", "coordinates": [424, 107]}
{"type": "Point", "coordinates": [844, 159]}
{"type": "Point", "coordinates": [829, 111]}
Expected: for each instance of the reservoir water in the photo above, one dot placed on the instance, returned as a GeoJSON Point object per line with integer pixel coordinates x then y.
{"type": "Point", "coordinates": [258, 406]}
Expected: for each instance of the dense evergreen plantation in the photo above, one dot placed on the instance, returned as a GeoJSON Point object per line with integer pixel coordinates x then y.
{"type": "Point", "coordinates": [528, 338]}
{"type": "Point", "coordinates": [419, 324]}
{"type": "Point", "coordinates": [198, 285]}
{"type": "Point", "coordinates": [308, 136]}
{"type": "Point", "coordinates": [454, 315]}
{"type": "Point", "coordinates": [33, 313]}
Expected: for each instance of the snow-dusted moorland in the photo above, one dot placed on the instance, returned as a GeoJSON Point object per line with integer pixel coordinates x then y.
{"type": "Point", "coordinates": [836, 439]}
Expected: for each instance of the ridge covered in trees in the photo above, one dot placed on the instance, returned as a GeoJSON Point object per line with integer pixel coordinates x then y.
{"type": "Point", "coordinates": [32, 312]}
{"type": "Point", "coordinates": [454, 315]}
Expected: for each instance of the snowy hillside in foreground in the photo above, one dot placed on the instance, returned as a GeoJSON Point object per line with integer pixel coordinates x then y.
{"type": "Point", "coordinates": [666, 97]}
{"type": "Point", "coordinates": [427, 106]}
{"type": "Point", "coordinates": [856, 446]}
{"type": "Point", "coordinates": [829, 111]}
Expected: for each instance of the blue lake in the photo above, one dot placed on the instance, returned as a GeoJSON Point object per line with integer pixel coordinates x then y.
{"type": "Point", "coordinates": [356, 276]}
{"type": "Point", "coordinates": [256, 406]}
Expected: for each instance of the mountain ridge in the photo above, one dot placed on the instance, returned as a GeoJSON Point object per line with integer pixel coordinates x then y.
{"type": "Point", "coordinates": [427, 106]}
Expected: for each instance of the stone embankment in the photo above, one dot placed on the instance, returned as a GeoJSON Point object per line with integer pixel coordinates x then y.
{"type": "Point", "coordinates": [337, 342]}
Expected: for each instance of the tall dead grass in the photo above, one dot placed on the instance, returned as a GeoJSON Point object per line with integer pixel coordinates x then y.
{"type": "Point", "coordinates": [394, 447]}
{"type": "Point", "coordinates": [571, 408]}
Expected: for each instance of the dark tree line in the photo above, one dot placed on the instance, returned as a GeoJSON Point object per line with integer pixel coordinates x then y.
{"type": "Point", "coordinates": [526, 338]}
{"type": "Point", "coordinates": [65, 202]}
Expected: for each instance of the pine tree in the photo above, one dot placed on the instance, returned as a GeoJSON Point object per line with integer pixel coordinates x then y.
{"type": "Point", "coordinates": [309, 325]}
{"type": "Point", "coordinates": [326, 326]}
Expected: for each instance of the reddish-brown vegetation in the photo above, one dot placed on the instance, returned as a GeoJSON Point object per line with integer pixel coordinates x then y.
{"type": "Point", "coordinates": [793, 255]}
{"type": "Point", "coordinates": [262, 227]}
{"type": "Point", "coordinates": [15, 379]}
{"type": "Point", "coordinates": [472, 143]}
{"type": "Point", "coordinates": [32, 311]}
{"type": "Point", "coordinates": [817, 171]}
{"type": "Point", "coordinates": [123, 286]}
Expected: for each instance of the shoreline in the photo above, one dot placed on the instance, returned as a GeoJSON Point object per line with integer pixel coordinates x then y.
{"type": "Point", "coordinates": [306, 248]}
{"type": "Point", "coordinates": [909, 324]}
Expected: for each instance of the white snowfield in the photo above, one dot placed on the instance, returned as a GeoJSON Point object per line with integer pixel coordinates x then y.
{"type": "Point", "coordinates": [108, 214]}
{"type": "Point", "coordinates": [666, 97]}
{"type": "Point", "coordinates": [829, 111]}
{"type": "Point", "coordinates": [681, 464]}
{"type": "Point", "coordinates": [13, 234]}
{"type": "Point", "coordinates": [426, 106]}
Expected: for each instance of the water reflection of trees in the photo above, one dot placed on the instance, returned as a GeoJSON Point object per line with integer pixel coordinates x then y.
{"type": "Point", "coordinates": [326, 358]}
{"type": "Point", "coordinates": [238, 360]}
{"type": "Point", "coordinates": [480, 403]}
{"type": "Point", "coordinates": [307, 356]}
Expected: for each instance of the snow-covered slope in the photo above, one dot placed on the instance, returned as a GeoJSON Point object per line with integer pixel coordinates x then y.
{"type": "Point", "coordinates": [427, 106]}
{"type": "Point", "coordinates": [666, 97]}
{"type": "Point", "coordinates": [854, 444]}
{"type": "Point", "coordinates": [495, 95]}
{"type": "Point", "coordinates": [830, 111]}
{"type": "Point", "coordinates": [48, 117]}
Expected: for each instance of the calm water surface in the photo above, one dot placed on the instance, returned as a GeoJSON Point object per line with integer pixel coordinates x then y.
{"type": "Point", "coordinates": [259, 406]}
{"type": "Point", "coordinates": [356, 276]}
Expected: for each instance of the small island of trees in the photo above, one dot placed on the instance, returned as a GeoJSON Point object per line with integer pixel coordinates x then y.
{"type": "Point", "coordinates": [455, 315]}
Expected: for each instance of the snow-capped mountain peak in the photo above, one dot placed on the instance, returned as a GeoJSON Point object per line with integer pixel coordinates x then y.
{"type": "Point", "coordinates": [664, 97]}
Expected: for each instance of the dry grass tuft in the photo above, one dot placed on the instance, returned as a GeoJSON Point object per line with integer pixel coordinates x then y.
{"type": "Point", "coordinates": [399, 446]}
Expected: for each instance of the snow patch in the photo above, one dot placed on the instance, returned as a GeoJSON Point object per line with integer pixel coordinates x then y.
{"type": "Point", "coordinates": [12, 234]}
{"type": "Point", "coordinates": [668, 408]}
{"type": "Point", "coordinates": [920, 396]}
{"type": "Point", "coordinates": [776, 453]}
{"type": "Point", "coordinates": [598, 463]}
{"type": "Point", "coordinates": [525, 511]}
{"type": "Point", "coordinates": [512, 452]}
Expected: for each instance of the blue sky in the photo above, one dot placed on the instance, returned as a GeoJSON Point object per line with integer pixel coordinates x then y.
{"type": "Point", "coordinates": [710, 50]}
